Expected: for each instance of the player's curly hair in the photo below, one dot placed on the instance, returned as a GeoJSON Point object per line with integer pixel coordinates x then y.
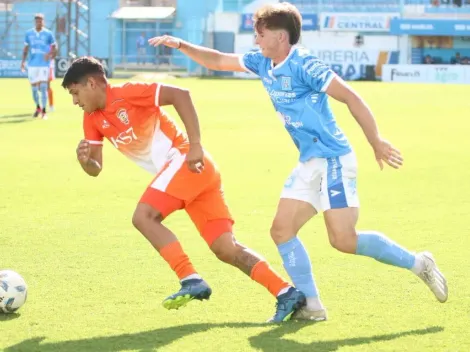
{"type": "Point", "coordinates": [280, 16]}
{"type": "Point", "coordinates": [81, 68]}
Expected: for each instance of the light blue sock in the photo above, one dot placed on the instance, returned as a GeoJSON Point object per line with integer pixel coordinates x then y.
{"type": "Point", "coordinates": [43, 89]}
{"type": "Point", "coordinates": [297, 264]}
{"type": "Point", "coordinates": [35, 90]}
{"type": "Point", "coordinates": [378, 246]}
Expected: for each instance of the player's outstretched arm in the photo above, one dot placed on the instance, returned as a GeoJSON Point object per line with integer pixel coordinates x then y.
{"type": "Point", "coordinates": [90, 157]}
{"type": "Point", "coordinates": [209, 58]}
{"type": "Point", "coordinates": [384, 151]}
{"type": "Point", "coordinates": [181, 100]}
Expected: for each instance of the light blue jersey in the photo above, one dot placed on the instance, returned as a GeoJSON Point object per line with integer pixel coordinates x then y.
{"type": "Point", "coordinates": [297, 88]}
{"type": "Point", "coordinates": [39, 44]}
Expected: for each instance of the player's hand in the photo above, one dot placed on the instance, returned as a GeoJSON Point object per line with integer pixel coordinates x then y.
{"type": "Point", "coordinates": [23, 67]}
{"type": "Point", "coordinates": [195, 158]}
{"type": "Point", "coordinates": [166, 40]}
{"type": "Point", "coordinates": [83, 151]}
{"type": "Point", "coordinates": [384, 151]}
{"type": "Point", "coordinates": [47, 56]}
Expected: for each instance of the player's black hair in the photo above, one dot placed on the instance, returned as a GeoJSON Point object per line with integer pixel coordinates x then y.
{"type": "Point", "coordinates": [80, 69]}
{"type": "Point", "coordinates": [280, 16]}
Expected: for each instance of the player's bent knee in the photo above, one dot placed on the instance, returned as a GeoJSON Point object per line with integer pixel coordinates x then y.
{"type": "Point", "coordinates": [280, 231]}
{"type": "Point", "coordinates": [225, 247]}
{"type": "Point", "coordinates": [343, 241]}
{"type": "Point", "coordinates": [143, 214]}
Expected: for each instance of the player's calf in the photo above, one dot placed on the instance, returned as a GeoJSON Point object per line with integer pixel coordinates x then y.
{"type": "Point", "coordinates": [289, 299]}
{"type": "Point", "coordinates": [148, 221]}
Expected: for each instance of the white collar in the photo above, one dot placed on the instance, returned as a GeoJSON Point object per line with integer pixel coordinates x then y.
{"type": "Point", "coordinates": [294, 47]}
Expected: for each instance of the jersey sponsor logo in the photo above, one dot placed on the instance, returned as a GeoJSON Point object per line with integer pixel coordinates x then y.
{"type": "Point", "coordinates": [267, 80]}
{"type": "Point", "coordinates": [286, 83]}
{"type": "Point", "coordinates": [288, 121]}
{"type": "Point", "coordinates": [105, 124]}
{"type": "Point", "coordinates": [124, 138]}
{"type": "Point", "coordinates": [122, 116]}
{"type": "Point", "coordinates": [280, 97]}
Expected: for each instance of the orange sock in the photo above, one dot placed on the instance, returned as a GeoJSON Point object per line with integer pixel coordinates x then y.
{"type": "Point", "coordinates": [174, 255]}
{"type": "Point", "coordinates": [51, 97]}
{"type": "Point", "coordinates": [263, 274]}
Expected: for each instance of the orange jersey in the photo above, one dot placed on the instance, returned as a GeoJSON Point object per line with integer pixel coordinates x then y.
{"type": "Point", "coordinates": [134, 123]}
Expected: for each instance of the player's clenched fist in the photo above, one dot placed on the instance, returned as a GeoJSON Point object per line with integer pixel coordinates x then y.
{"type": "Point", "coordinates": [83, 151]}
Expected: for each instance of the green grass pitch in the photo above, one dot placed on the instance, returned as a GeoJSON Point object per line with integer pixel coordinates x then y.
{"type": "Point", "coordinates": [95, 284]}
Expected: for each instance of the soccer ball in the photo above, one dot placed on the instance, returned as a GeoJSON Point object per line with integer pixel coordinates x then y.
{"type": "Point", "coordinates": [13, 291]}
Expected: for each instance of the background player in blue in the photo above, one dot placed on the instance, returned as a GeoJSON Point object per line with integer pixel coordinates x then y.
{"type": "Point", "coordinates": [299, 85]}
{"type": "Point", "coordinates": [41, 46]}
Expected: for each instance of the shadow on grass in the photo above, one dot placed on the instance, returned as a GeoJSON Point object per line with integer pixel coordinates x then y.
{"type": "Point", "coordinates": [14, 116]}
{"type": "Point", "coordinates": [7, 317]}
{"type": "Point", "coordinates": [271, 340]}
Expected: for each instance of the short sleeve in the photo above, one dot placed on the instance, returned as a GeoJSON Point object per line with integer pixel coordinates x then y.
{"type": "Point", "coordinates": [251, 61]}
{"type": "Point", "coordinates": [140, 94]}
{"type": "Point", "coordinates": [92, 134]}
{"type": "Point", "coordinates": [316, 74]}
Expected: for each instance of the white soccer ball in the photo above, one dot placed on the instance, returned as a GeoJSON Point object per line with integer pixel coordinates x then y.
{"type": "Point", "coordinates": [13, 291]}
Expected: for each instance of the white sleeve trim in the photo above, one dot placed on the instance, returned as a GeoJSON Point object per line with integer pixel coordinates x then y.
{"type": "Point", "coordinates": [328, 82]}
{"type": "Point", "coordinates": [157, 94]}
{"type": "Point", "coordinates": [242, 64]}
{"type": "Point", "coordinates": [95, 142]}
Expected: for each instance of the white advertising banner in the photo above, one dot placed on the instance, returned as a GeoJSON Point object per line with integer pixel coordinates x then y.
{"type": "Point", "coordinates": [450, 74]}
{"type": "Point", "coordinates": [356, 22]}
{"type": "Point", "coordinates": [350, 64]}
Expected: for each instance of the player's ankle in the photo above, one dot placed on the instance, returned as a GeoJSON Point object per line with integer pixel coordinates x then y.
{"type": "Point", "coordinates": [192, 276]}
{"type": "Point", "coordinates": [282, 291]}
{"type": "Point", "coordinates": [418, 266]}
{"type": "Point", "coordinates": [314, 303]}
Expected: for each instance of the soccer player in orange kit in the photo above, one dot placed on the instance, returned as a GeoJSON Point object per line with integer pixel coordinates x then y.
{"type": "Point", "coordinates": [131, 118]}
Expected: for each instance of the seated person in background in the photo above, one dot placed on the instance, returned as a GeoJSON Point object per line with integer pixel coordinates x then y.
{"type": "Point", "coordinates": [428, 60]}
{"type": "Point", "coordinates": [457, 60]}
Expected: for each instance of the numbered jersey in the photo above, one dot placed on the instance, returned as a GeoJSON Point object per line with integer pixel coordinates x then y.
{"type": "Point", "coordinates": [135, 125]}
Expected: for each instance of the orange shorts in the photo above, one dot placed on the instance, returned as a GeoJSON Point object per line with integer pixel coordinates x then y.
{"type": "Point", "coordinates": [176, 187]}
{"type": "Point", "coordinates": [51, 74]}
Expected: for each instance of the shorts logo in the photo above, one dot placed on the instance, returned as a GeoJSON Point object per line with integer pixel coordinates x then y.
{"type": "Point", "coordinates": [286, 83]}
{"type": "Point", "coordinates": [352, 186]}
{"type": "Point", "coordinates": [290, 181]}
{"type": "Point", "coordinates": [122, 116]}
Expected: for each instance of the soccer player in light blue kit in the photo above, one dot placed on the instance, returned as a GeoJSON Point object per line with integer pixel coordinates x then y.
{"type": "Point", "coordinates": [299, 85]}
{"type": "Point", "coordinates": [41, 46]}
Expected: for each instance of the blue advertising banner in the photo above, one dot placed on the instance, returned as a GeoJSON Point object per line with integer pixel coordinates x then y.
{"type": "Point", "coordinates": [11, 68]}
{"type": "Point", "coordinates": [309, 22]}
{"type": "Point", "coordinates": [428, 26]}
